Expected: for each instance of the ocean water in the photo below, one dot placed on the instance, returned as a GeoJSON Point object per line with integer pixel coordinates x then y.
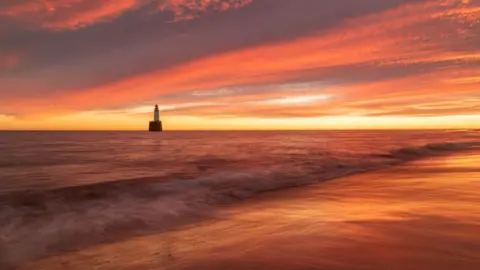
{"type": "Point", "coordinates": [64, 191]}
{"type": "Point", "coordinates": [52, 160]}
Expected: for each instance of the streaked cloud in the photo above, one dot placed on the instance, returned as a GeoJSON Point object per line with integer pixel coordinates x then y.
{"type": "Point", "coordinates": [190, 9]}
{"type": "Point", "coordinates": [74, 14]}
{"type": "Point", "coordinates": [300, 100]}
{"type": "Point", "coordinates": [408, 59]}
{"type": "Point", "coordinates": [67, 14]}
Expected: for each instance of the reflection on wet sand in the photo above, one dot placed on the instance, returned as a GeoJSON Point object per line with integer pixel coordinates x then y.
{"type": "Point", "coordinates": [398, 218]}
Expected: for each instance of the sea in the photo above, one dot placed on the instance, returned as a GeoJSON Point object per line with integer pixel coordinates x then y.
{"type": "Point", "coordinates": [63, 191]}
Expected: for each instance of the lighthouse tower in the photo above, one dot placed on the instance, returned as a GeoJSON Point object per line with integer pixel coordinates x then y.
{"type": "Point", "coordinates": [156, 114]}
{"type": "Point", "coordinates": [156, 124]}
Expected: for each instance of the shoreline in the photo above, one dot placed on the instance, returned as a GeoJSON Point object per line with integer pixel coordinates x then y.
{"type": "Point", "coordinates": [206, 216]}
{"type": "Point", "coordinates": [247, 234]}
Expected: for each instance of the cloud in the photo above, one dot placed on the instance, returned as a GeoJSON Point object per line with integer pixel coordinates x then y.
{"type": "Point", "coordinates": [67, 14]}
{"type": "Point", "coordinates": [74, 14]}
{"type": "Point", "coordinates": [9, 60]}
{"type": "Point", "coordinates": [417, 59]}
{"type": "Point", "coordinates": [190, 9]}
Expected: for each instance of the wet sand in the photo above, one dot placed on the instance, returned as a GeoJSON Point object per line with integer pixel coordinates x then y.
{"type": "Point", "coordinates": [420, 215]}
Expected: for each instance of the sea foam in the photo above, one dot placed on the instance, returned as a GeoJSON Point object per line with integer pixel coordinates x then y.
{"type": "Point", "coordinates": [36, 224]}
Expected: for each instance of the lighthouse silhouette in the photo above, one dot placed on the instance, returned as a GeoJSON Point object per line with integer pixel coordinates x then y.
{"type": "Point", "coordinates": [156, 124]}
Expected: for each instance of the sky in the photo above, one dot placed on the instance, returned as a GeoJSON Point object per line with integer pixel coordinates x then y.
{"type": "Point", "coordinates": [240, 64]}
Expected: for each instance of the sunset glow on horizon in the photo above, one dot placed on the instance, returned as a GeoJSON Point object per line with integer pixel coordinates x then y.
{"type": "Point", "coordinates": [239, 64]}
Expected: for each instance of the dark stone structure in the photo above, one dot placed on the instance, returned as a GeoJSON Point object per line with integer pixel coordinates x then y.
{"type": "Point", "coordinates": [155, 126]}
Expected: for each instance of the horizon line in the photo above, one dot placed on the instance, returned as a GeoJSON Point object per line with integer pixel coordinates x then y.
{"type": "Point", "coordinates": [273, 130]}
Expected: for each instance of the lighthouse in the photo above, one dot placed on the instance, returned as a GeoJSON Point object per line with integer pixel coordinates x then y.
{"type": "Point", "coordinates": [156, 114]}
{"type": "Point", "coordinates": [156, 124]}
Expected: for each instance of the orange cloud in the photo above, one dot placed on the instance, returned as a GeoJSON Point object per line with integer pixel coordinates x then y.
{"type": "Point", "coordinates": [379, 43]}
{"type": "Point", "coordinates": [73, 14]}
{"type": "Point", "coordinates": [68, 14]}
{"type": "Point", "coordinates": [412, 69]}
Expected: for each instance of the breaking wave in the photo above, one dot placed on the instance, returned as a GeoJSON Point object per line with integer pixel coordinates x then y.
{"type": "Point", "coordinates": [36, 224]}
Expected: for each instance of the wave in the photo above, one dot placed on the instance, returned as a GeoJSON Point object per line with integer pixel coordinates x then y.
{"type": "Point", "coordinates": [39, 223]}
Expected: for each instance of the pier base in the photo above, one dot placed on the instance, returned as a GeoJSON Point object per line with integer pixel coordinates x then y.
{"type": "Point", "coordinates": [155, 126]}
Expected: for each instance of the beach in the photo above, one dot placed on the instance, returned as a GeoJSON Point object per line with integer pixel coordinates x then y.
{"type": "Point", "coordinates": [422, 214]}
